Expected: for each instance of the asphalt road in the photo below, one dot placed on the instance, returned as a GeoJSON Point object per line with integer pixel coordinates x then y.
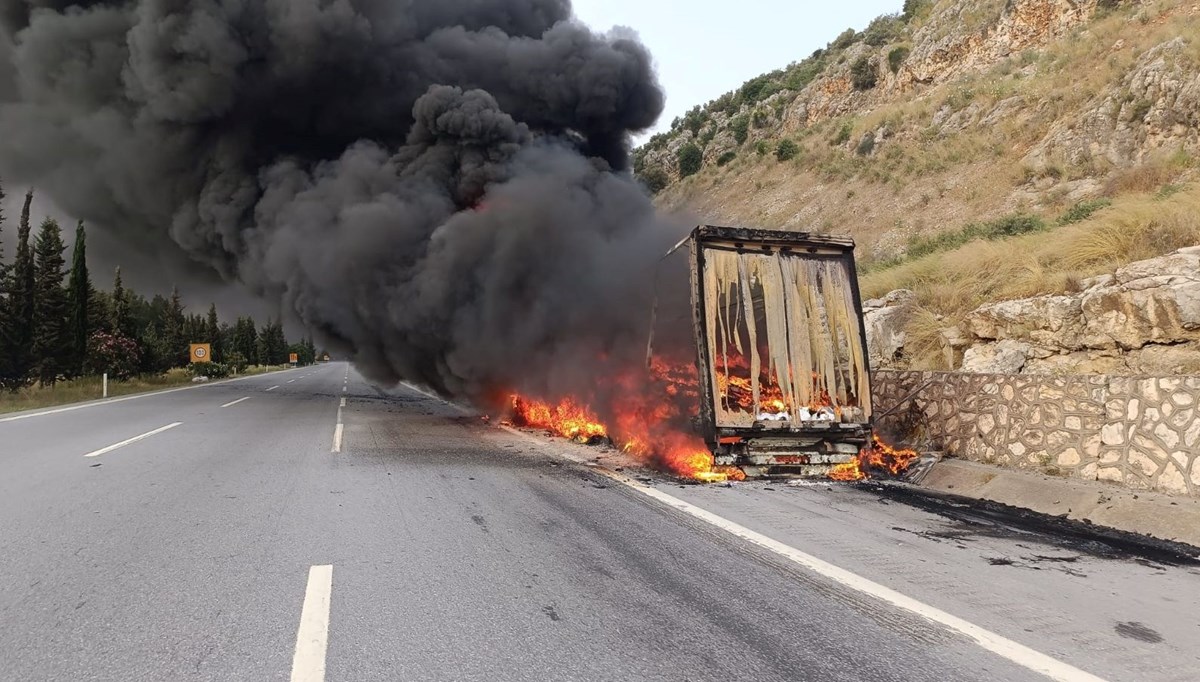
{"type": "Point", "coordinates": [448, 549]}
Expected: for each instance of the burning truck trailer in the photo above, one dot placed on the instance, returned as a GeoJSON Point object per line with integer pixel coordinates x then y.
{"type": "Point", "coordinates": [784, 380]}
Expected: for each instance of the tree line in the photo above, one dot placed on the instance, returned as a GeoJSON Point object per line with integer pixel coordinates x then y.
{"type": "Point", "coordinates": [55, 325]}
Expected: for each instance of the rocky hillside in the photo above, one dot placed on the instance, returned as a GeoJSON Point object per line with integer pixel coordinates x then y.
{"type": "Point", "coordinates": [978, 150]}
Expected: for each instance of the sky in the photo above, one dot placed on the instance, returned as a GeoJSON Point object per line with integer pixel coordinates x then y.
{"type": "Point", "coordinates": [705, 48]}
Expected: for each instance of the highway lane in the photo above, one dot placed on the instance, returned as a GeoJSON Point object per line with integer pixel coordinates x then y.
{"type": "Point", "coordinates": [458, 551]}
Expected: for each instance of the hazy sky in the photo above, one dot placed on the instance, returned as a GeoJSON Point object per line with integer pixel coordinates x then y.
{"type": "Point", "coordinates": [705, 48]}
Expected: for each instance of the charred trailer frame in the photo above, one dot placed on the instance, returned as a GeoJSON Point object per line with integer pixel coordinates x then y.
{"type": "Point", "coordinates": [782, 350]}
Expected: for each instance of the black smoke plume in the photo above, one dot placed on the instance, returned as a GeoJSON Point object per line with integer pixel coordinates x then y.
{"type": "Point", "coordinates": [439, 188]}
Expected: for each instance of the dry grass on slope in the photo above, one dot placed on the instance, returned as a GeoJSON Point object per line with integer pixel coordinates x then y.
{"type": "Point", "coordinates": [951, 284]}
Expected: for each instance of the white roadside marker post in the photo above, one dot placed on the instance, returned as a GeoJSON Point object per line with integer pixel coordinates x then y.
{"type": "Point", "coordinates": [105, 382]}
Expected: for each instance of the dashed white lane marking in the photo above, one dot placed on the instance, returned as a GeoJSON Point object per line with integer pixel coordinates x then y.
{"type": "Point", "coordinates": [1001, 646]}
{"type": "Point", "coordinates": [312, 637]}
{"type": "Point", "coordinates": [114, 446]}
{"type": "Point", "coordinates": [235, 402]}
{"type": "Point", "coordinates": [337, 430]}
{"type": "Point", "coordinates": [292, 381]}
{"type": "Point", "coordinates": [271, 389]}
{"type": "Point", "coordinates": [344, 389]}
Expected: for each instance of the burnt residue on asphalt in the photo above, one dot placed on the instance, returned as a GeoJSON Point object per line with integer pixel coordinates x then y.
{"type": "Point", "coordinates": [972, 517]}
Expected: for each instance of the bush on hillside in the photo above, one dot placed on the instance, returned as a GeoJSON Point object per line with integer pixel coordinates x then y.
{"type": "Point", "coordinates": [654, 179]}
{"type": "Point", "coordinates": [883, 29]}
{"type": "Point", "coordinates": [725, 158]}
{"type": "Point", "coordinates": [690, 160]}
{"type": "Point", "coordinates": [844, 40]}
{"type": "Point", "coordinates": [843, 135]}
{"type": "Point", "coordinates": [896, 58]}
{"type": "Point", "coordinates": [786, 150]}
{"type": "Point", "coordinates": [741, 128]}
{"type": "Point", "coordinates": [864, 73]}
{"type": "Point", "coordinates": [914, 8]}
{"type": "Point", "coordinates": [1082, 211]}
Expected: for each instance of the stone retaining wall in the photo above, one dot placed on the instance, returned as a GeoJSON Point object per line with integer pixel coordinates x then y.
{"type": "Point", "coordinates": [1142, 432]}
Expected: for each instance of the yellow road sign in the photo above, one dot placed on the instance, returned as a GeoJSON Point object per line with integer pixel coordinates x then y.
{"type": "Point", "coordinates": [201, 352]}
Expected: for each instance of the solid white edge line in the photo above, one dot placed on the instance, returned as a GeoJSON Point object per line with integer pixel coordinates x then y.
{"type": "Point", "coordinates": [150, 394]}
{"type": "Point", "coordinates": [343, 403]}
{"type": "Point", "coordinates": [997, 644]}
{"type": "Point", "coordinates": [114, 446]}
{"type": "Point", "coordinates": [312, 637]}
{"type": "Point", "coordinates": [235, 402]}
{"type": "Point", "coordinates": [337, 438]}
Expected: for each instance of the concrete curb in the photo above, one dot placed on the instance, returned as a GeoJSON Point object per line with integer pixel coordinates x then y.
{"type": "Point", "coordinates": [1154, 514]}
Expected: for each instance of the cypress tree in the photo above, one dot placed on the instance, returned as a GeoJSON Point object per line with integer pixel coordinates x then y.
{"type": "Point", "coordinates": [49, 305]}
{"type": "Point", "coordinates": [5, 327]}
{"type": "Point", "coordinates": [20, 306]}
{"type": "Point", "coordinates": [79, 294]}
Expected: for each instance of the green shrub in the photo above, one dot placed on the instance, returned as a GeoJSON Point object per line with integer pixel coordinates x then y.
{"type": "Point", "coordinates": [914, 9]}
{"type": "Point", "coordinates": [1082, 211]}
{"type": "Point", "coordinates": [740, 126]}
{"type": "Point", "coordinates": [761, 147]}
{"type": "Point", "coordinates": [1007, 226]}
{"type": "Point", "coordinates": [864, 73]}
{"type": "Point", "coordinates": [690, 160]}
{"type": "Point", "coordinates": [654, 179]}
{"type": "Point", "coordinates": [883, 29]}
{"type": "Point", "coordinates": [786, 150]}
{"type": "Point", "coordinates": [866, 145]}
{"type": "Point", "coordinates": [843, 135]}
{"type": "Point", "coordinates": [212, 370]}
{"type": "Point", "coordinates": [725, 158]}
{"type": "Point", "coordinates": [761, 118]}
{"type": "Point", "coordinates": [804, 73]}
{"type": "Point", "coordinates": [844, 40]}
{"type": "Point", "coordinates": [237, 362]}
{"type": "Point", "coordinates": [896, 58]}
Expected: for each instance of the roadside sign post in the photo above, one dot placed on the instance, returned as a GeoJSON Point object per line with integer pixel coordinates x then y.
{"type": "Point", "coordinates": [294, 359]}
{"type": "Point", "coordinates": [200, 352]}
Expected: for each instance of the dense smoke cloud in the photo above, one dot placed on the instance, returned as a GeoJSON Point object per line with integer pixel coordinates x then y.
{"type": "Point", "coordinates": [438, 187]}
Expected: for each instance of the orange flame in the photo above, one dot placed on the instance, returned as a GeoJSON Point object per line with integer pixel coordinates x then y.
{"type": "Point", "coordinates": [877, 456]}
{"type": "Point", "coordinates": [649, 420]}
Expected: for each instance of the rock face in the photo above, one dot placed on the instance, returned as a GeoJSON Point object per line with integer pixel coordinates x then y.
{"type": "Point", "coordinates": [1143, 319]}
{"type": "Point", "coordinates": [885, 320]}
{"type": "Point", "coordinates": [1155, 107]}
{"type": "Point", "coordinates": [1005, 357]}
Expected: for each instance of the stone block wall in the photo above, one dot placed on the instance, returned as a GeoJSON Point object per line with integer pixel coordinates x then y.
{"type": "Point", "coordinates": [1142, 432]}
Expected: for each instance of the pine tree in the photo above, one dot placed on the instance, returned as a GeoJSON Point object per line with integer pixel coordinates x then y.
{"type": "Point", "coordinates": [174, 328]}
{"type": "Point", "coordinates": [20, 307]}
{"type": "Point", "coordinates": [122, 323]}
{"type": "Point", "coordinates": [49, 305]}
{"type": "Point", "coordinates": [79, 304]}
{"type": "Point", "coordinates": [246, 340]}
{"type": "Point", "coordinates": [212, 334]}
